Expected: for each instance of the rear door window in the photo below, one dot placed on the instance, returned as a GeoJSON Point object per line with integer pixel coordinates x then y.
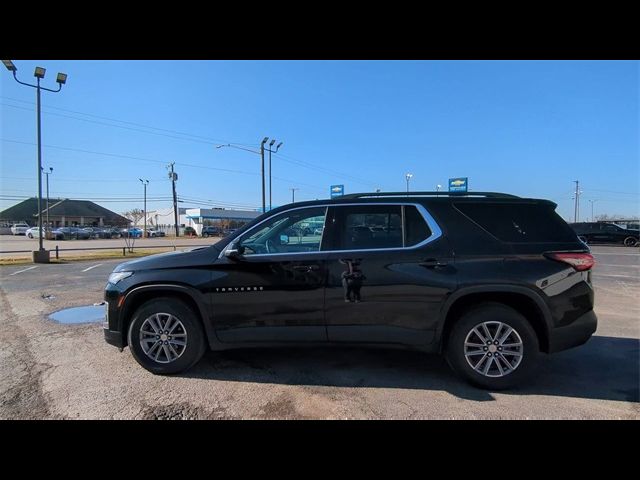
{"type": "Point", "coordinates": [519, 222]}
{"type": "Point", "coordinates": [371, 227]}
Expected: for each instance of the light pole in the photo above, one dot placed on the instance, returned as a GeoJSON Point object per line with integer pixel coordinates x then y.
{"type": "Point", "coordinates": [592, 202]}
{"type": "Point", "coordinates": [270, 152]}
{"type": "Point", "coordinates": [47, 174]}
{"type": "Point", "coordinates": [261, 153]}
{"type": "Point", "coordinates": [145, 183]}
{"type": "Point", "coordinates": [42, 256]}
{"type": "Point", "coordinates": [293, 194]}
{"type": "Point", "coordinates": [438, 187]}
{"type": "Point", "coordinates": [408, 176]}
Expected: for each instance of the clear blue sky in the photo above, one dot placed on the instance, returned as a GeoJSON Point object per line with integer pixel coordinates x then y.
{"type": "Point", "coordinates": [527, 127]}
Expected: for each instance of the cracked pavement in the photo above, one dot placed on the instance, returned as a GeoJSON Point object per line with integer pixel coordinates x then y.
{"type": "Point", "coordinates": [57, 371]}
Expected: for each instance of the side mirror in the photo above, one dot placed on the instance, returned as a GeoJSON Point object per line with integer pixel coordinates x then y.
{"type": "Point", "coordinates": [234, 251]}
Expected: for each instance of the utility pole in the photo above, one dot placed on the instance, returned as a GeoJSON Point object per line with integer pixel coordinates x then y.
{"type": "Point", "coordinates": [264, 203]}
{"type": "Point", "coordinates": [174, 177]}
{"type": "Point", "coordinates": [592, 202]}
{"type": "Point", "coordinates": [270, 152]}
{"type": "Point", "coordinates": [408, 176]}
{"type": "Point", "coordinates": [145, 183]}
{"type": "Point", "coordinates": [293, 194]}
{"type": "Point", "coordinates": [576, 211]}
{"type": "Point", "coordinates": [47, 174]}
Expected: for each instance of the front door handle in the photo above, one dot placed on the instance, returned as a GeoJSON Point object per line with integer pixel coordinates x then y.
{"type": "Point", "coordinates": [433, 263]}
{"type": "Point", "coordinates": [306, 268]}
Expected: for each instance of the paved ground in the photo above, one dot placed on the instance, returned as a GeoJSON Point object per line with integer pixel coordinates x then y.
{"type": "Point", "coordinates": [49, 370]}
{"type": "Point", "coordinates": [11, 243]}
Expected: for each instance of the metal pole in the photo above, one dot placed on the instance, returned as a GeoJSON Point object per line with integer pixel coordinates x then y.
{"type": "Point", "coordinates": [575, 211]}
{"type": "Point", "coordinates": [144, 233]}
{"type": "Point", "coordinates": [293, 194]}
{"type": "Point", "coordinates": [47, 174]}
{"type": "Point", "coordinates": [39, 170]}
{"type": "Point", "coordinates": [175, 200]}
{"type": "Point", "coordinates": [269, 178]}
{"type": "Point", "coordinates": [264, 208]}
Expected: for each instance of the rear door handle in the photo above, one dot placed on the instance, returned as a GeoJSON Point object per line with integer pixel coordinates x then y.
{"type": "Point", "coordinates": [433, 263]}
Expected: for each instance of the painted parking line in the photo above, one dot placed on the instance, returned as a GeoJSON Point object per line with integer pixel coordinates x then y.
{"type": "Point", "coordinates": [613, 253]}
{"type": "Point", "coordinates": [87, 269]}
{"type": "Point", "coordinates": [20, 271]}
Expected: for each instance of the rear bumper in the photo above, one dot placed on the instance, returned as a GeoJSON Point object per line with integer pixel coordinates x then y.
{"type": "Point", "coordinates": [574, 334]}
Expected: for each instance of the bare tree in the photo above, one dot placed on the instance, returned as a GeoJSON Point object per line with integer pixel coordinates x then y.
{"type": "Point", "coordinates": [134, 215]}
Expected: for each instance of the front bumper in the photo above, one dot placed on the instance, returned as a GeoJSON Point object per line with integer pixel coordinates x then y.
{"type": "Point", "coordinates": [576, 333]}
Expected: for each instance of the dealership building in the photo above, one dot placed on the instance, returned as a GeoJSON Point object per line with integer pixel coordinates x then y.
{"type": "Point", "coordinates": [63, 213]}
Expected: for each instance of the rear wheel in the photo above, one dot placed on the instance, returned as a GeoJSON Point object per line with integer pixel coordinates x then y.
{"type": "Point", "coordinates": [165, 336]}
{"type": "Point", "coordinates": [630, 242]}
{"type": "Point", "coordinates": [492, 346]}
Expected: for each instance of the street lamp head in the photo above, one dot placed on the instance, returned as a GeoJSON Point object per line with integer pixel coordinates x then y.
{"type": "Point", "coordinates": [39, 72]}
{"type": "Point", "coordinates": [278, 146]}
{"type": "Point", "coordinates": [10, 66]}
{"type": "Point", "coordinates": [61, 78]}
{"type": "Point", "coordinates": [272, 142]}
{"type": "Point", "coordinates": [409, 175]}
{"type": "Point", "coordinates": [223, 145]}
{"type": "Point", "coordinates": [51, 169]}
{"type": "Point", "coordinates": [265, 140]}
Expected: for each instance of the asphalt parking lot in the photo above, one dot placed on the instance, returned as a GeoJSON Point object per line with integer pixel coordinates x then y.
{"type": "Point", "coordinates": [51, 370]}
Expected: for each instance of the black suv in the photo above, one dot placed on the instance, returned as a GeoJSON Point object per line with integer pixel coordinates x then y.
{"type": "Point", "coordinates": [209, 231]}
{"type": "Point", "coordinates": [599, 232]}
{"type": "Point", "coordinates": [490, 280]}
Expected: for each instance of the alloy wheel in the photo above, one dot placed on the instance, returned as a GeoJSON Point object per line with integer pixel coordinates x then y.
{"type": "Point", "coordinates": [493, 349]}
{"type": "Point", "coordinates": [163, 337]}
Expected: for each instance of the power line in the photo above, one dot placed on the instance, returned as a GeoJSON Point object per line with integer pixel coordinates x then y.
{"type": "Point", "coordinates": [131, 123]}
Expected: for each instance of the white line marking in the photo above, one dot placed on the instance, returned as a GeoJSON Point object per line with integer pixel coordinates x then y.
{"type": "Point", "coordinates": [87, 269]}
{"type": "Point", "coordinates": [624, 266]}
{"type": "Point", "coordinates": [20, 271]}
{"type": "Point", "coordinates": [609, 253]}
{"type": "Point", "coordinates": [606, 275]}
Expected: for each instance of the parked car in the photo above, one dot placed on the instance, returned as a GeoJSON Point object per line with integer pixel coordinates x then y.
{"type": "Point", "coordinates": [34, 232]}
{"type": "Point", "coordinates": [152, 232]}
{"type": "Point", "coordinates": [209, 231]}
{"type": "Point", "coordinates": [598, 232]}
{"type": "Point", "coordinates": [133, 232]}
{"type": "Point", "coordinates": [71, 233]}
{"type": "Point", "coordinates": [489, 280]}
{"type": "Point", "coordinates": [19, 229]}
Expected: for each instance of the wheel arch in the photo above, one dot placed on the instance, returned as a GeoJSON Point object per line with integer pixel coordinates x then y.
{"type": "Point", "coordinates": [523, 300]}
{"type": "Point", "coordinates": [139, 295]}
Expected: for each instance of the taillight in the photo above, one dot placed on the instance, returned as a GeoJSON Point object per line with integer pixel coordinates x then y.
{"type": "Point", "coordinates": [579, 261]}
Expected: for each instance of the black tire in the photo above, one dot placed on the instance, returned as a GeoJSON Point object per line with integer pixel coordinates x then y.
{"type": "Point", "coordinates": [205, 235]}
{"type": "Point", "coordinates": [630, 242]}
{"type": "Point", "coordinates": [196, 344]}
{"type": "Point", "coordinates": [487, 312]}
{"type": "Point", "coordinates": [30, 236]}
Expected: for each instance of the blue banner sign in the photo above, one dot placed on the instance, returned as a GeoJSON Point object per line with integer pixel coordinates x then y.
{"type": "Point", "coordinates": [458, 184]}
{"type": "Point", "coordinates": [336, 190]}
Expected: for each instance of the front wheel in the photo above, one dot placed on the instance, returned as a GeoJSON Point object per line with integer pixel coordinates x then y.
{"type": "Point", "coordinates": [30, 236]}
{"type": "Point", "coordinates": [493, 346]}
{"type": "Point", "coordinates": [630, 242]}
{"type": "Point", "coordinates": [165, 336]}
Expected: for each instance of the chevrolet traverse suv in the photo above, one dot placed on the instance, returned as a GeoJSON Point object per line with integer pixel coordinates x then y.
{"type": "Point", "coordinates": [489, 280]}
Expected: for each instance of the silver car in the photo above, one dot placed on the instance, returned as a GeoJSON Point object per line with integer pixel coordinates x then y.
{"type": "Point", "coordinates": [19, 229]}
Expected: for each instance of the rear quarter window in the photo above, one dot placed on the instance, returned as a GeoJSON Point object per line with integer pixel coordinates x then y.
{"type": "Point", "coordinates": [519, 222]}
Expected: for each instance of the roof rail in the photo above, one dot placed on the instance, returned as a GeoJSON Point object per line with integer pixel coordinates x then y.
{"type": "Point", "coordinates": [429, 194]}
